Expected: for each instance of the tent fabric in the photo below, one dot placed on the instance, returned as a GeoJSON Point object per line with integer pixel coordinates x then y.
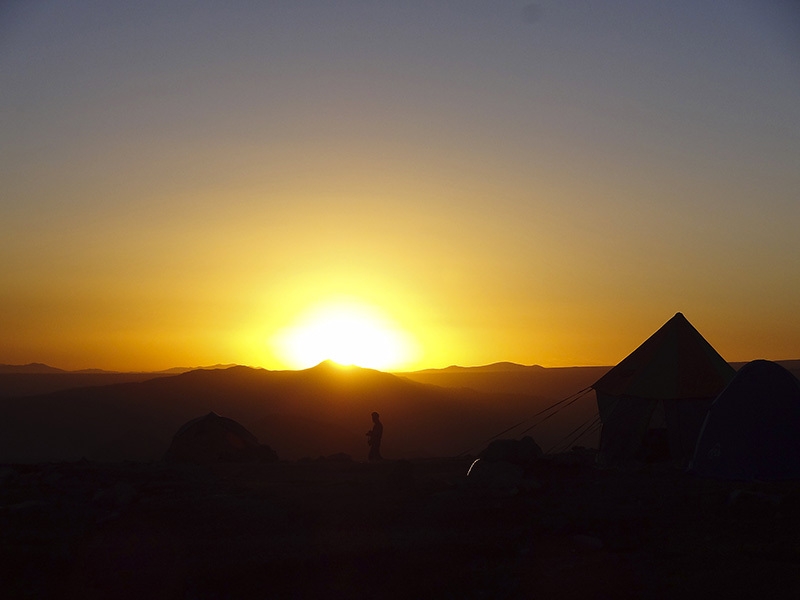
{"type": "Point", "coordinates": [625, 425]}
{"type": "Point", "coordinates": [752, 430]}
{"type": "Point", "coordinates": [662, 389]}
{"type": "Point", "coordinates": [210, 438]}
{"type": "Point", "coordinates": [676, 362]}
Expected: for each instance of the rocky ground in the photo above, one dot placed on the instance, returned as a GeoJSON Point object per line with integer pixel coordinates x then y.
{"type": "Point", "coordinates": [408, 529]}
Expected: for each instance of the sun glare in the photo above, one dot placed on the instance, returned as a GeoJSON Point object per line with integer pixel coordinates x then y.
{"type": "Point", "coordinates": [348, 334]}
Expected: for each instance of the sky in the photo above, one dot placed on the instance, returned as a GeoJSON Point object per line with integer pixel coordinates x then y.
{"type": "Point", "coordinates": [188, 183]}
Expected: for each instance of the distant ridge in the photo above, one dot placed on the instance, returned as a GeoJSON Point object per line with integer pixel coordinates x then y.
{"type": "Point", "coordinates": [504, 367]}
{"type": "Point", "coordinates": [497, 367]}
{"type": "Point", "coordinates": [37, 368]}
{"type": "Point", "coordinates": [42, 369]}
{"type": "Point", "coordinates": [792, 365]}
{"type": "Point", "coordinates": [60, 415]}
{"type": "Point", "coordinates": [314, 412]}
{"type": "Point", "coordinates": [179, 370]}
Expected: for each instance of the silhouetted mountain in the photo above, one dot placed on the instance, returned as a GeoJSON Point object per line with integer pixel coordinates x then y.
{"type": "Point", "coordinates": [18, 384]}
{"type": "Point", "coordinates": [502, 367]}
{"type": "Point", "coordinates": [34, 379]}
{"type": "Point", "coordinates": [318, 411]}
{"type": "Point", "coordinates": [41, 368]}
{"type": "Point", "coordinates": [37, 368]}
{"type": "Point", "coordinates": [314, 412]}
{"type": "Point", "coordinates": [512, 378]}
{"type": "Point", "coordinates": [179, 370]}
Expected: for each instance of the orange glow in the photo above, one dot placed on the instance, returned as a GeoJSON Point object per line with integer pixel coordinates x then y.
{"type": "Point", "coordinates": [346, 332]}
{"type": "Point", "coordinates": [176, 201]}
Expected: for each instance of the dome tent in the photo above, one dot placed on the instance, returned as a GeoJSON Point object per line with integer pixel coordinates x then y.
{"type": "Point", "coordinates": [214, 438]}
{"type": "Point", "coordinates": [752, 430]}
{"type": "Point", "coordinates": [662, 390]}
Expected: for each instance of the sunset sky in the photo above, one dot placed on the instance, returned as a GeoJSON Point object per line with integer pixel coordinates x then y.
{"type": "Point", "coordinates": [190, 183]}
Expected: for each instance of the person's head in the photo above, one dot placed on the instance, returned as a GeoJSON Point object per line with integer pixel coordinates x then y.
{"type": "Point", "coordinates": [375, 417]}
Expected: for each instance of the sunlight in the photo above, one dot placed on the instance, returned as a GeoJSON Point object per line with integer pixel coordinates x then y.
{"type": "Point", "coordinates": [347, 333]}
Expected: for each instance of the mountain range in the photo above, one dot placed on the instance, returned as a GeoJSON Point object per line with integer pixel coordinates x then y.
{"type": "Point", "coordinates": [48, 414]}
{"type": "Point", "coordinates": [309, 413]}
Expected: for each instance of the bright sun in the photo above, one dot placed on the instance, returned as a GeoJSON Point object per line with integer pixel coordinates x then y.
{"type": "Point", "coordinates": [346, 333]}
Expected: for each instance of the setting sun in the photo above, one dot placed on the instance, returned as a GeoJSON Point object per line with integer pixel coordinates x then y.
{"type": "Point", "coordinates": [347, 333]}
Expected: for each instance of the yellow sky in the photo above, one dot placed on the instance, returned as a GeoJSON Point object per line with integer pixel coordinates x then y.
{"type": "Point", "coordinates": [182, 191]}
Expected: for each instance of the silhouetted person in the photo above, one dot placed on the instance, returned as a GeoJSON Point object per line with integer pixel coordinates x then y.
{"type": "Point", "coordinates": [374, 438]}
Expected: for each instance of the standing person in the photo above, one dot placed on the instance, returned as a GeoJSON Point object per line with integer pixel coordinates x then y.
{"type": "Point", "coordinates": [374, 438]}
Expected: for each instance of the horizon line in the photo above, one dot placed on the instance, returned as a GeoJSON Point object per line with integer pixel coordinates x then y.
{"type": "Point", "coordinates": [7, 367]}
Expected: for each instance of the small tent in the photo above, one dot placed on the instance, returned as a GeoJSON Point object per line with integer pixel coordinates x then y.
{"type": "Point", "coordinates": [653, 403]}
{"type": "Point", "coordinates": [752, 430]}
{"type": "Point", "coordinates": [214, 438]}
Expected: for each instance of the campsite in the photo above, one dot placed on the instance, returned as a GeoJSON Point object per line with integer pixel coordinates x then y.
{"type": "Point", "coordinates": [397, 529]}
{"type": "Point", "coordinates": [456, 299]}
{"type": "Point", "coordinates": [672, 474]}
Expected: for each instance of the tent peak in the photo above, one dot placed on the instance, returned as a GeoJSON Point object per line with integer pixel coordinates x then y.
{"type": "Point", "coordinates": [674, 362]}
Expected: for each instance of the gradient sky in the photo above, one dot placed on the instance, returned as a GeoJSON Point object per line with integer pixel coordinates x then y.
{"type": "Point", "coordinates": [541, 183]}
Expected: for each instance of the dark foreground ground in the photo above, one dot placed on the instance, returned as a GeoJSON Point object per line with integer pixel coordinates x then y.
{"type": "Point", "coordinates": [416, 529]}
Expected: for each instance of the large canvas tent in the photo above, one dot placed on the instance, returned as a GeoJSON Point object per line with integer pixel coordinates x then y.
{"type": "Point", "coordinates": [660, 392]}
{"type": "Point", "coordinates": [752, 430]}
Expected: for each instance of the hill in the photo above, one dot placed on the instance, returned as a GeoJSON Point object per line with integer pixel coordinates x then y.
{"type": "Point", "coordinates": [37, 368]}
{"type": "Point", "coordinates": [38, 378]}
{"type": "Point", "coordinates": [16, 384]}
{"type": "Point", "coordinates": [512, 378]}
{"type": "Point", "coordinates": [314, 412]}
